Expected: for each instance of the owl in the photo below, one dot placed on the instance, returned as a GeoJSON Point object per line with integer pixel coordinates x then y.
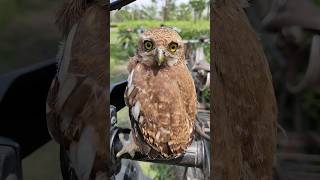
{"type": "Point", "coordinates": [161, 97]}
{"type": "Point", "coordinates": [77, 99]}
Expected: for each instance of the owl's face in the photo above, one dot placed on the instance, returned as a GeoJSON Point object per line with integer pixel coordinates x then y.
{"type": "Point", "coordinates": [160, 46]}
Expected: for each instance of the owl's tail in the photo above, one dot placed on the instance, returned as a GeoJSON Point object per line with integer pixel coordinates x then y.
{"type": "Point", "coordinates": [71, 12]}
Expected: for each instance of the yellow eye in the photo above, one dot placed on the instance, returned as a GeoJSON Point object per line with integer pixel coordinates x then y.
{"type": "Point", "coordinates": [173, 47]}
{"type": "Point", "coordinates": [148, 45]}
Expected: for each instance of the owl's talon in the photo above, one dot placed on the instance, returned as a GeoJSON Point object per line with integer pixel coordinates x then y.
{"type": "Point", "coordinates": [128, 146]}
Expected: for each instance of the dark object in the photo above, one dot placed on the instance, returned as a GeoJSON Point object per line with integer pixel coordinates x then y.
{"type": "Point", "coordinates": [311, 77]}
{"type": "Point", "coordinates": [284, 13]}
{"type": "Point", "coordinates": [67, 172]}
{"type": "Point", "coordinates": [117, 93]}
{"type": "Point", "coordinates": [10, 163]}
{"type": "Point", "coordinates": [116, 164]}
{"type": "Point", "coordinates": [119, 4]}
{"type": "Point", "coordinates": [23, 95]}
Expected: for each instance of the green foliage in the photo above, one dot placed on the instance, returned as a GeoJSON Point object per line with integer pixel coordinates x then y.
{"type": "Point", "coordinates": [157, 171]}
{"type": "Point", "coordinates": [126, 33]}
{"type": "Point", "coordinates": [188, 29]}
{"type": "Point", "coordinates": [184, 12]}
{"type": "Point", "coordinates": [128, 13]}
{"type": "Point", "coordinates": [126, 36]}
{"type": "Point", "coordinates": [147, 170]}
{"type": "Point", "coordinates": [170, 11]}
{"type": "Point", "coordinates": [317, 2]}
{"type": "Point", "coordinates": [164, 172]}
{"type": "Point", "coordinates": [206, 94]}
{"type": "Point", "coordinates": [121, 15]}
{"type": "Point", "coordinates": [198, 6]}
{"type": "Point", "coordinates": [149, 12]}
{"type": "Point", "coordinates": [118, 54]}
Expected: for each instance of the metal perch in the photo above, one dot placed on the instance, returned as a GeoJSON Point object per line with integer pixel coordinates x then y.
{"type": "Point", "coordinates": [193, 157]}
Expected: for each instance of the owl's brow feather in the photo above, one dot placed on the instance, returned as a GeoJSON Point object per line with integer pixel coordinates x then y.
{"type": "Point", "coordinates": [143, 38]}
{"type": "Point", "coordinates": [180, 43]}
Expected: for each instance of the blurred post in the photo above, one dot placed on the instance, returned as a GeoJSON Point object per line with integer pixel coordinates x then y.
{"type": "Point", "coordinates": [244, 106]}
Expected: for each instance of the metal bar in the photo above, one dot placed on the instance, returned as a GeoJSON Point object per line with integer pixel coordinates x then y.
{"type": "Point", "coordinates": [193, 157]}
{"type": "Point", "coordinates": [194, 41]}
{"type": "Point", "coordinates": [117, 5]}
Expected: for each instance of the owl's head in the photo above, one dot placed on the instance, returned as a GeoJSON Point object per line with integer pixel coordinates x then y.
{"type": "Point", "coordinates": [160, 46]}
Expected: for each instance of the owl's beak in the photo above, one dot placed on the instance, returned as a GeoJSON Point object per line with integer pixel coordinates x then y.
{"type": "Point", "coordinates": [160, 56]}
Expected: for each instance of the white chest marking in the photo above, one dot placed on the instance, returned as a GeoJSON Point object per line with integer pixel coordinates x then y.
{"type": "Point", "coordinates": [136, 110]}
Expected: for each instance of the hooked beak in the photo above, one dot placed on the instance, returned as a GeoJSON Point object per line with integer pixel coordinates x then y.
{"type": "Point", "coordinates": [160, 56]}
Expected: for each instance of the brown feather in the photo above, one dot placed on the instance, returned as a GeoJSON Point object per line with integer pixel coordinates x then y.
{"type": "Point", "coordinates": [244, 111]}
{"type": "Point", "coordinates": [167, 97]}
{"type": "Point", "coordinates": [71, 12]}
{"type": "Point", "coordinates": [77, 100]}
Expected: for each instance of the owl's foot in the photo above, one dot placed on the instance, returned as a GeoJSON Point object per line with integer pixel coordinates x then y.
{"type": "Point", "coordinates": [128, 146]}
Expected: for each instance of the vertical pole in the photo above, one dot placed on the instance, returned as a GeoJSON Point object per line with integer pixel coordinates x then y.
{"type": "Point", "coordinates": [243, 118]}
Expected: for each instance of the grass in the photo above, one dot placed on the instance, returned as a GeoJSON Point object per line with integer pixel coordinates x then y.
{"type": "Point", "coordinates": [148, 170]}
{"type": "Point", "coordinates": [115, 51]}
{"type": "Point", "coordinates": [43, 163]}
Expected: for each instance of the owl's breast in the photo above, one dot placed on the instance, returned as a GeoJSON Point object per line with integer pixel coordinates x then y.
{"type": "Point", "coordinates": [165, 117]}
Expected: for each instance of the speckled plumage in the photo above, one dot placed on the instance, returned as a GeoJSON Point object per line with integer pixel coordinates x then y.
{"type": "Point", "coordinates": [77, 99]}
{"type": "Point", "coordinates": [161, 99]}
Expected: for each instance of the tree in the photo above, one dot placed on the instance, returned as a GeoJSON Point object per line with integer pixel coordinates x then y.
{"type": "Point", "coordinates": [149, 12]}
{"type": "Point", "coordinates": [198, 6]}
{"type": "Point", "coordinates": [183, 12]}
{"type": "Point", "coordinates": [168, 10]}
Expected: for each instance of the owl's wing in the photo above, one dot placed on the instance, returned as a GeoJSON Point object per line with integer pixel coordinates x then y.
{"type": "Point", "coordinates": [52, 116]}
{"type": "Point", "coordinates": [129, 97]}
{"type": "Point", "coordinates": [76, 119]}
{"type": "Point", "coordinates": [64, 103]}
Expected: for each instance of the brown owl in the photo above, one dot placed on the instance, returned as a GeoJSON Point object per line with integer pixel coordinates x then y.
{"type": "Point", "coordinates": [161, 97]}
{"type": "Point", "coordinates": [77, 100]}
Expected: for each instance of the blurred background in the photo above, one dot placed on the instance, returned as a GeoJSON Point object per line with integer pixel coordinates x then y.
{"type": "Point", "coordinates": [190, 18]}
{"type": "Point", "coordinates": [28, 36]}
{"type": "Point", "coordinates": [287, 29]}
{"type": "Point", "coordinates": [289, 32]}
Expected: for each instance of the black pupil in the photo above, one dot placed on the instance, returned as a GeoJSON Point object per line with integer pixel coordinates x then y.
{"type": "Point", "coordinates": [148, 45]}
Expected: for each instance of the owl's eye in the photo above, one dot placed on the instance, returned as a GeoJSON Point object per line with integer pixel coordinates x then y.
{"type": "Point", "coordinates": [148, 45]}
{"type": "Point", "coordinates": [173, 47]}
